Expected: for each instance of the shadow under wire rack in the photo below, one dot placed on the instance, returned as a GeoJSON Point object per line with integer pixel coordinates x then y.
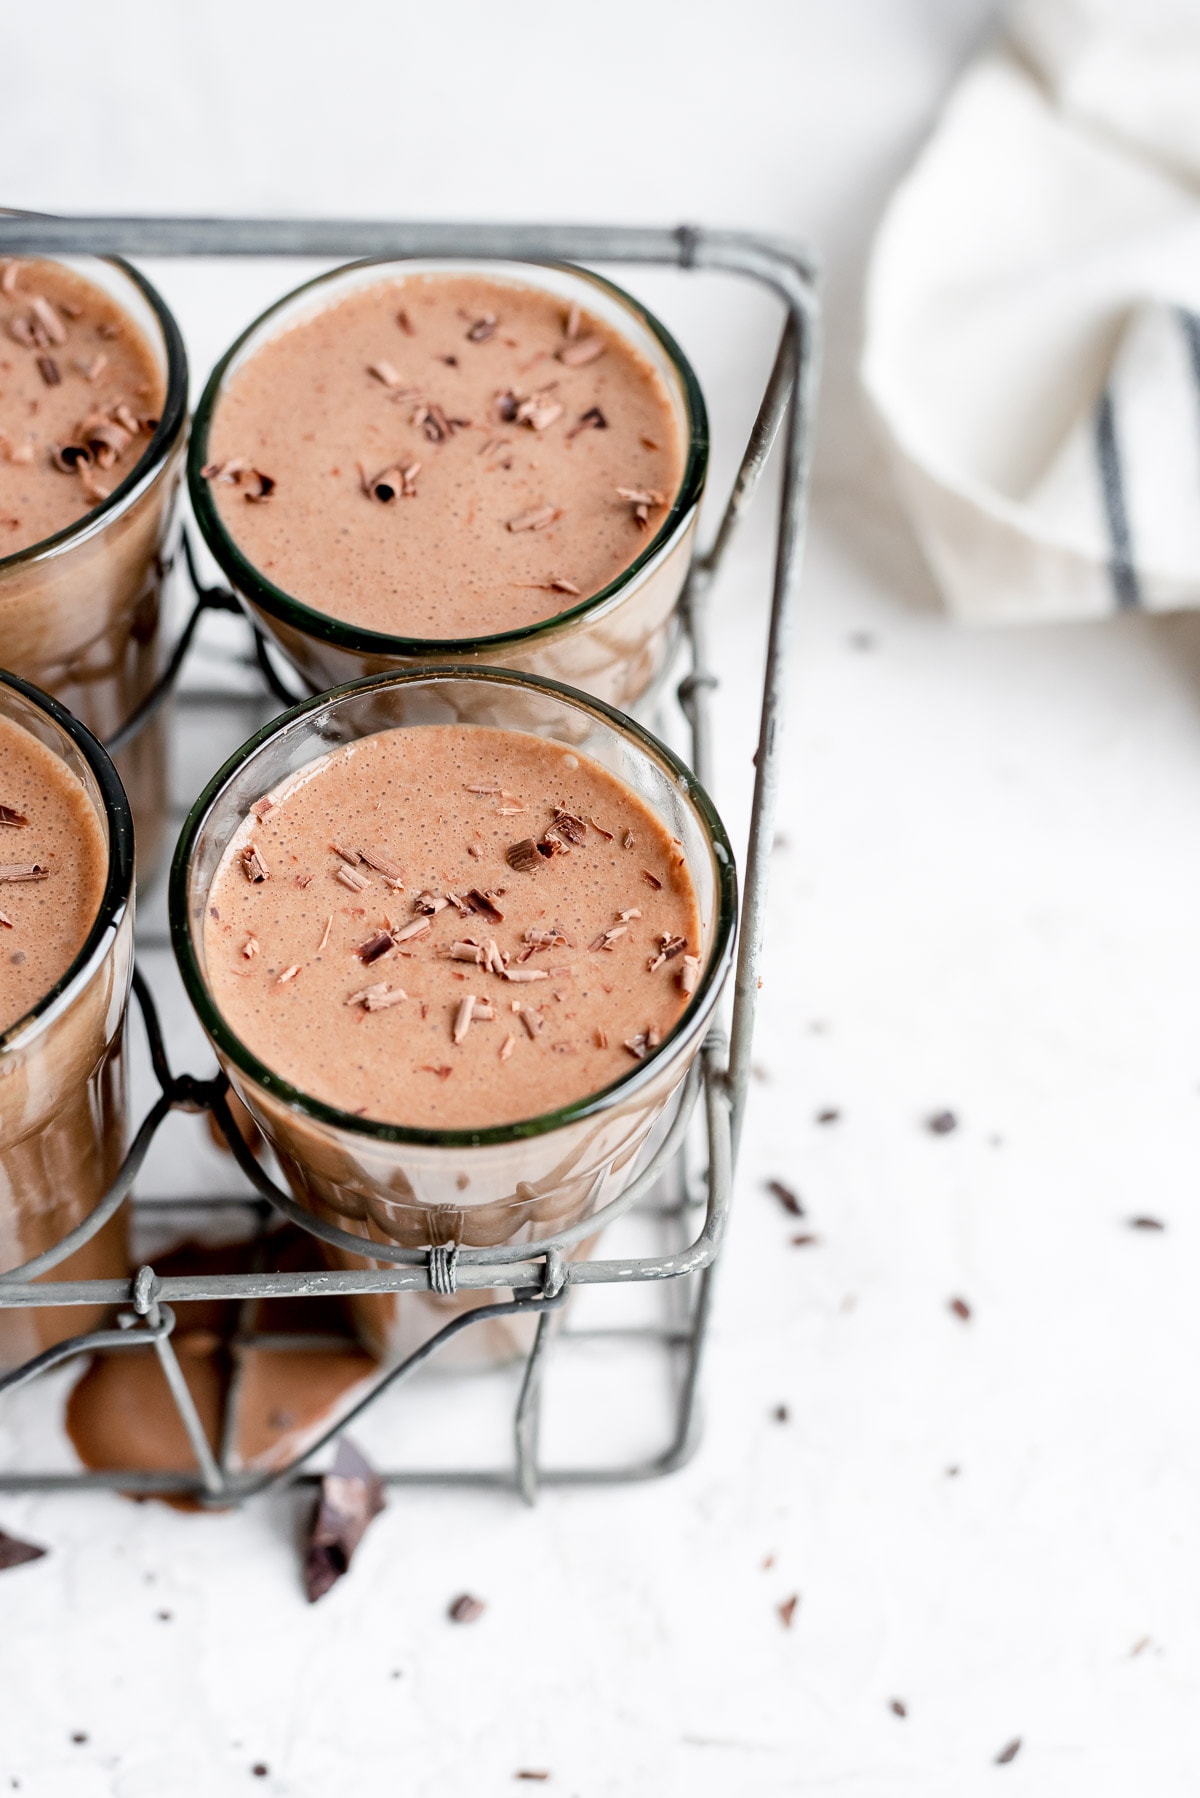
{"type": "Point", "coordinates": [692, 1208]}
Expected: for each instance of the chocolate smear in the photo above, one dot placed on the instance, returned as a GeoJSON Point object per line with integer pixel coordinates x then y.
{"type": "Point", "coordinates": [13, 819]}
{"type": "Point", "coordinates": [351, 1496]}
{"type": "Point", "coordinates": [466, 1609]}
{"type": "Point", "coordinates": [15, 1553]}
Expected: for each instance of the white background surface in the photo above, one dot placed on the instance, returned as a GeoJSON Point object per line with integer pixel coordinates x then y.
{"type": "Point", "coordinates": [985, 899]}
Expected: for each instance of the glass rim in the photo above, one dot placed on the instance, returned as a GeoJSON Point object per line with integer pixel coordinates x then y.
{"type": "Point", "coordinates": [166, 432]}
{"type": "Point", "coordinates": [250, 582]}
{"type": "Point", "coordinates": [118, 885]}
{"type": "Point", "coordinates": [694, 1016]}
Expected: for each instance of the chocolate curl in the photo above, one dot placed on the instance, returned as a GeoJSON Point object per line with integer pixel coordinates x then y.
{"type": "Point", "coordinates": [15, 1553]}
{"type": "Point", "coordinates": [351, 1495]}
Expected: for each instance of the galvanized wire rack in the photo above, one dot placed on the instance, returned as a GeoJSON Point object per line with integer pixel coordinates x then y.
{"type": "Point", "coordinates": [693, 1208]}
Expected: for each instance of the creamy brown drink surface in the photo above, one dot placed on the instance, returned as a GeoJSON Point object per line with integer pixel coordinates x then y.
{"type": "Point", "coordinates": [444, 456]}
{"type": "Point", "coordinates": [80, 397]}
{"type": "Point", "coordinates": [452, 927]}
{"type": "Point", "coordinates": [53, 867]}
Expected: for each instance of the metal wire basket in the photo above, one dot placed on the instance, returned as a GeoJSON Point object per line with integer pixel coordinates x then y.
{"type": "Point", "coordinates": [693, 1209]}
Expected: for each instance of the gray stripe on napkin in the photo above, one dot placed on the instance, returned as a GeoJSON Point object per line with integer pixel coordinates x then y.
{"type": "Point", "coordinates": [1120, 561]}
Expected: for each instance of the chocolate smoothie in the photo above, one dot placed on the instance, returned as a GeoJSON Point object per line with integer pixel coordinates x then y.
{"type": "Point", "coordinates": [444, 456]}
{"type": "Point", "coordinates": [81, 394]}
{"type": "Point", "coordinates": [452, 927]}
{"type": "Point", "coordinates": [62, 1084]}
{"type": "Point", "coordinates": [53, 865]}
{"type": "Point", "coordinates": [90, 402]}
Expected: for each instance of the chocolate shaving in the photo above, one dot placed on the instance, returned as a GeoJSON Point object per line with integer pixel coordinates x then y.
{"type": "Point", "coordinates": [225, 473]}
{"type": "Point", "coordinates": [13, 819]}
{"type": "Point", "coordinates": [350, 856]}
{"type": "Point", "coordinates": [652, 880]}
{"type": "Point", "coordinates": [430, 903]}
{"type": "Point", "coordinates": [8, 280]}
{"type": "Point", "coordinates": [349, 877]}
{"type": "Point", "coordinates": [259, 487]}
{"type": "Point", "coordinates": [49, 370]}
{"type": "Point", "coordinates": [250, 946]}
{"type": "Point", "coordinates": [787, 1198]}
{"type": "Point", "coordinates": [15, 1553]}
{"type": "Point", "coordinates": [104, 437]}
{"type": "Point", "coordinates": [1009, 1752]}
{"type": "Point", "coordinates": [689, 975]}
{"type": "Point", "coordinates": [288, 974]}
{"type": "Point", "coordinates": [493, 960]}
{"type": "Point", "coordinates": [483, 329]}
{"type": "Point", "coordinates": [69, 458]}
{"type": "Point", "coordinates": [607, 938]}
{"type": "Point", "coordinates": [526, 974]}
{"type": "Point", "coordinates": [642, 496]}
{"type": "Point", "coordinates": [462, 1020]}
{"type": "Point", "coordinates": [482, 902]}
{"type": "Point", "coordinates": [460, 905]}
{"type": "Point", "coordinates": [253, 865]}
{"type": "Point", "coordinates": [390, 870]}
{"type": "Point", "coordinates": [384, 371]}
{"type": "Point", "coordinates": [91, 371]}
{"type": "Point", "coordinates": [378, 996]}
{"type": "Point", "coordinates": [325, 933]}
{"type": "Point", "coordinates": [93, 489]}
{"type": "Point", "coordinates": [442, 1073]}
{"type": "Point", "coordinates": [351, 1497]}
{"type": "Point", "coordinates": [669, 948]}
{"type": "Point", "coordinates": [466, 951]}
{"type": "Point", "coordinates": [567, 825]}
{"type": "Point", "coordinates": [6, 922]}
{"type": "Point", "coordinates": [506, 406]}
{"type": "Point", "coordinates": [644, 1040]}
{"type": "Point", "coordinates": [417, 927]}
{"type": "Point", "coordinates": [507, 1046]}
{"type": "Point", "coordinates": [522, 856]}
{"type": "Point", "coordinates": [466, 1609]}
{"type": "Point", "coordinates": [52, 325]}
{"type": "Point", "coordinates": [572, 322]}
{"type": "Point", "coordinates": [600, 831]}
{"type": "Point", "coordinates": [535, 520]}
{"type": "Point", "coordinates": [405, 323]}
{"type": "Point", "coordinates": [591, 420]}
{"type": "Point", "coordinates": [485, 1012]}
{"type": "Point", "coordinates": [484, 790]}
{"type": "Point", "coordinates": [533, 1021]}
{"type": "Point", "coordinates": [546, 939]}
{"type": "Point", "coordinates": [961, 1310]}
{"type": "Point", "coordinates": [632, 911]}
{"type": "Point", "coordinates": [29, 871]}
{"type": "Point", "coordinates": [434, 423]}
{"type": "Point", "coordinates": [393, 482]}
{"type": "Point", "coordinates": [581, 351]}
{"type": "Point", "coordinates": [380, 944]}
{"type": "Point", "coordinates": [262, 806]}
{"type": "Point", "coordinates": [539, 411]}
{"type": "Point", "coordinates": [600, 1038]}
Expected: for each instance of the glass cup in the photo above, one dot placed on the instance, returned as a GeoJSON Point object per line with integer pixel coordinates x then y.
{"type": "Point", "coordinates": [62, 1069]}
{"type": "Point", "coordinates": [507, 1184]}
{"type": "Point", "coordinates": [81, 612]}
{"type": "Point", "coordinates": [614, 645]}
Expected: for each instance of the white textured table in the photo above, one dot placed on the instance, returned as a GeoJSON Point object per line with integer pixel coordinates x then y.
{"type": "Point", "coordinates": [985, 901]}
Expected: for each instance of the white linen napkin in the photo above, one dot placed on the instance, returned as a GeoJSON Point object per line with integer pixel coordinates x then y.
{"type": "Point", "coordinates": [1033, 318]}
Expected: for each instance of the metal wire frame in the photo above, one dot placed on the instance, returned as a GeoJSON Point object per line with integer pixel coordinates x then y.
{"type": "Point", "coordinates": [537, 1273]}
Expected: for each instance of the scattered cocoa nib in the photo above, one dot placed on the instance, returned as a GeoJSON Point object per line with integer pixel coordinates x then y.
{"type": "Point", "coordinates": [349, 877]}
{"type": "Point", "coordinates": [689, 974]}
{"type": "Point", "coordinates": [669, 947]}
{"type": "Point", "coordinates": [49, 370]}
{"type": "Point", "coordinates": [462, 1018]}
{"type": "Point", "coordinates": [483, 329]}
{"type": "Point", "coordinates": [652, 880]}
{"type": "Point", "coordinates": [384, 371]}
{"type": "Point", "coordinates": [787, 1610]}
{"type": "Point", "coordinates": [1009, 1752]}
{"type": "Point", "coordinates": [351, 1496]}
{"type": "Point", "coordinates": [13, 819]}
{"type": "Point", "coordinates": [380, 944]}
{"type": "Point", "coordinates": [787, 1198]}
{"type": "Point", "coordinates": [417, 927]}
{"type": "Point", "coordinates": [253, 865]}
{"type": "Point", "coordinates": [535, 520]}
{"type": "Point", "coordinates": [961, 1310]}
{"type": "Point", "coordinates": [484, 903]}
{"type": "Point", "coordinates": [466, 1609]}
{"type": "Point", "coordinates": [15, 1553]}
{"type": "Point", "coordinates": [591, 420]}
{"type": "Point", "coordinates": [580, 351]}
{"type": "Point", "coordinates": [29, 871]}
{"type": "Point", "coordinates": [430, 903]}
{"type": "Point", "coordinates": [522, 856]}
